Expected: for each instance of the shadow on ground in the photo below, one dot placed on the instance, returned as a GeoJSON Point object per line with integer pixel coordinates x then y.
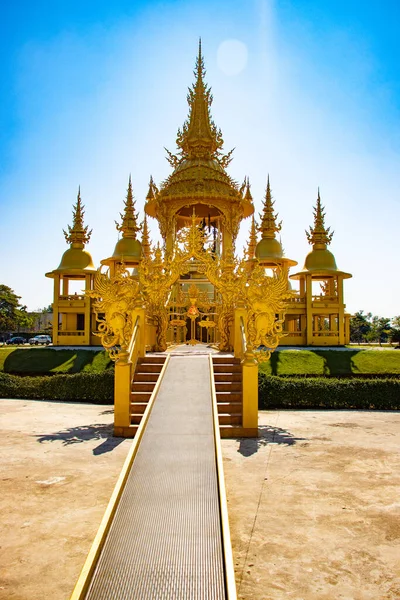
{"type": "Point", "coordinates": [78, 435]}
{"type": "Point", "coordinates": [267, 435]}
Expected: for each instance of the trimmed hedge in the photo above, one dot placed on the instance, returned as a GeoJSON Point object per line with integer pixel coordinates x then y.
{"type": "Point", "coordinates": [335, 393]}
{"type": "Point", "coordinates": [80, 387]}
{"type": "Point", "coordinates": [274, 392]}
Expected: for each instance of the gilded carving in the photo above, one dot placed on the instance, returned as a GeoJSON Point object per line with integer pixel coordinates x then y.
{"type": "Point", "coordinates": [116, 299]}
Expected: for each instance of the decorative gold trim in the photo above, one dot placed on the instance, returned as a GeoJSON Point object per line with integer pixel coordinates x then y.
{"type": "Point", "coordinates": [226, 534]}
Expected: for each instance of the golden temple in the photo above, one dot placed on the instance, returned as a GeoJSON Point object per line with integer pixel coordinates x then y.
{"type": "Point", "coordinates": [194, 289]}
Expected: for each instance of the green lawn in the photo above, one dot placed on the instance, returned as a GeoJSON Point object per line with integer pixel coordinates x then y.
{"type": "Point", "coordinates": [282, 362]}
{"type": "Point", "coordinates": [48, 360]}
{"type": "Point", "coordinates": [332, 362]}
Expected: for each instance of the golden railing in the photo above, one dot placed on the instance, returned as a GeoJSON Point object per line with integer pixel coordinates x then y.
{"type": "Point", "coordinates": [249, 383]}
{"type": "Point", "coordinates": [124, 370]}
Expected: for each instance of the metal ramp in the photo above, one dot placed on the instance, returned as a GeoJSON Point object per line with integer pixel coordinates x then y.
{"type": "Point", "coordinates": [165, 540]}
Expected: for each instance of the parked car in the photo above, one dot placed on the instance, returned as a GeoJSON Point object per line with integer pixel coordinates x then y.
{"type": "Point", "coordinates": [44, 340]}
{"type": "Point", "coordinates": [16, 340]}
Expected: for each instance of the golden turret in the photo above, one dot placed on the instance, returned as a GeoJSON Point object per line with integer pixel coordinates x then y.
{"type": "Point", "coordinates": [128, 249]}
{"type": "Point", "coordinates": [269, 250]}
{"type": "Point", "coordinates": [199, 178]}
{"type": "Point", "coordinates": [76, 259]}
{"type": "Point", "coordinates": [320, 260]}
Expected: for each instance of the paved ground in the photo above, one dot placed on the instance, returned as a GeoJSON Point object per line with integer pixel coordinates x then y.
{"type": "Point", "coordinates": [313, 503]}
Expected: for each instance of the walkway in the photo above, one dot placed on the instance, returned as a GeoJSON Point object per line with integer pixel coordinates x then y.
{"type": "Point", "coordinates": [165, 539]}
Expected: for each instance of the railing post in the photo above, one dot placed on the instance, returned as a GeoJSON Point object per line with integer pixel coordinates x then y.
{"type": "Point", "coordinates": [122, 393]}
{"type": "Point", "coordinates": [142, 332]}
{"type": "Point", "coordinates": [250, 391]}
{"type": "Point", "coordinates": [240, 312]}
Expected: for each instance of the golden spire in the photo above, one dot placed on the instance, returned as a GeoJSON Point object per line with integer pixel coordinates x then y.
{"type": "Point", "coordinates": [247, 195]}
{"type": "Point", "coordinates": [199, 137]}
{"type": "Point", "coordinates": [319, 236]}
{"type": "Point", "coordinates": [146, 247]}
{"type": "Point", "coordinates": [129, 225]}
{"type": "Point", "coordinates": [252, 243]}
{"type": "Point", "coordinates": [269, 226]}
{"type": "Point", "coordinates": [150, 193]}
{"type": "Point", "coordinates": [77, 235]}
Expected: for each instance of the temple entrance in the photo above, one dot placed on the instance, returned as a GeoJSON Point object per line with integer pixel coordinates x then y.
{"type": "Point", "coordinates": [192, 313]}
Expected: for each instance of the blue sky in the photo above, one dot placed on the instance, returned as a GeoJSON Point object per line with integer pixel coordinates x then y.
{"type": "Point", "coordinates": [93, 91]}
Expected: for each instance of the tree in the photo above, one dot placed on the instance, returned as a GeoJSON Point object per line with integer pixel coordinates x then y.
{"type": "Point", "coordinates": [395, 335]}
{"type": "Point", "coordinates": [360, 327]}
{"type": "Point", "coordinates": [12, 314]}
{"type": "Point", "coordinates": [383, 329]}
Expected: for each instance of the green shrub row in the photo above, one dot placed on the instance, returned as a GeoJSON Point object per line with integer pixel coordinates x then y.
{"type": "Point", "coordinates": [79, 387]}
{"type": "Point", "coordinates": [274, 392]}
{"type": "Point", "coordinates": [335, 393]}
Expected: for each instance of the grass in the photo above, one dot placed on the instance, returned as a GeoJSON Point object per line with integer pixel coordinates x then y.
{"type": "Point", "coordinates": [39, 361]}
{"type": "Point", "coordinates": [333, 362]}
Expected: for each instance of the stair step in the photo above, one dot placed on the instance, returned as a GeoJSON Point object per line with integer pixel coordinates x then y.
{"type": "Point", "coordinates": [226, 377]}
{"type": "Point", "coordinates": [227, 369]}
{"type": "Point", "coordinates": [229, 407]}
{"type": "Point", "coordinates": [149, 368]}
{"type": "Point", "coordinates": [227, 419]}
{"type": "Point", "coordinates": [233, 431]}
{"type": "Point", "coordinates": [147, 377]}
{"type": "Point", "coordinates": [142, 387]}
{"type": "Point", "coordinates": [228, 360]}
{"type": "Point", "coordinates": [136, 418]}
{"type": "Point", "coordinates": [138, 407]}
{"type": "Point", "coordinates": [152, 359]}
{"type": "Point", "coordinates": [228, 386]}
{"type": "Point", "coordinates": [126, 432]}
{"type": "Point", "coordinates": [229, 397]}
{"type": "Point", "coordinates": [140, 396]}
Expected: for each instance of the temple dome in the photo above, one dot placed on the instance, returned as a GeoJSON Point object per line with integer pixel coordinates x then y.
{"type": "Point", "coordinates": [75, 259]}
{"type": "Point", "coordinates": [320, 260]}
{"type": "Point", "coordinates": [268, 248]}
{"type": "Point", "coordinates": [127, 248]}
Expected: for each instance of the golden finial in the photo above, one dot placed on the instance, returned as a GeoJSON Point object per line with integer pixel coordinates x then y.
{"type": "Point", "coordinates": [146, 247]}
{"type": "Point", "coordinates": [129, 225]}
{"type": "Point", "coordinates": [199, 136]}
{"type": "Point", "coordinates": [269, 226]}
{"type": "Point", "coordinates": [319, 236]}
{"type": "Point", "coordinates": [77, 235]}
{"type": "Point", "coordinates": [247, 195]}
{"type": "Point", "coordinates": [252, 243]}
{"type": "Point", "coordinates": [150, 193]}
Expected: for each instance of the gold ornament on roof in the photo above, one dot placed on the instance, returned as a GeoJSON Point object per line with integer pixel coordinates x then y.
{"type": "Point", "coordinates": [319, 236]}
{"type": "Point", "coordinates": [252, 243]}
{"type": "Point", "coordinates": [268, 226]}
{"type": "Point", "coordinates": [129, 226]}
{"type": "Point", "coordinates": [78, 234]}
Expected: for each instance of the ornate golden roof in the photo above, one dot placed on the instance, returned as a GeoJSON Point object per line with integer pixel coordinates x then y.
{"type": "Point", "coordinates": [128, 249]}
{"type": "Point", "coordinates": [319, 236]}
{"type": "Point", "coordinates": [76, 261]}
{"type": "Point", "coordinates": [199, 175]}
{"type": "Point", "coordinates": [320, 261]}
{"type": "Point", "coordinates": [78, 235]}
{"type": "Point", "coordinates": [269, 249]}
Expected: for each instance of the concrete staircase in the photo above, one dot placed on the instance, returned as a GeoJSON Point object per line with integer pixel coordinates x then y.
{"type": "Point", "coordinates": [147, 372]}
{"type": "Point", "coordinates": [228, 388]}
